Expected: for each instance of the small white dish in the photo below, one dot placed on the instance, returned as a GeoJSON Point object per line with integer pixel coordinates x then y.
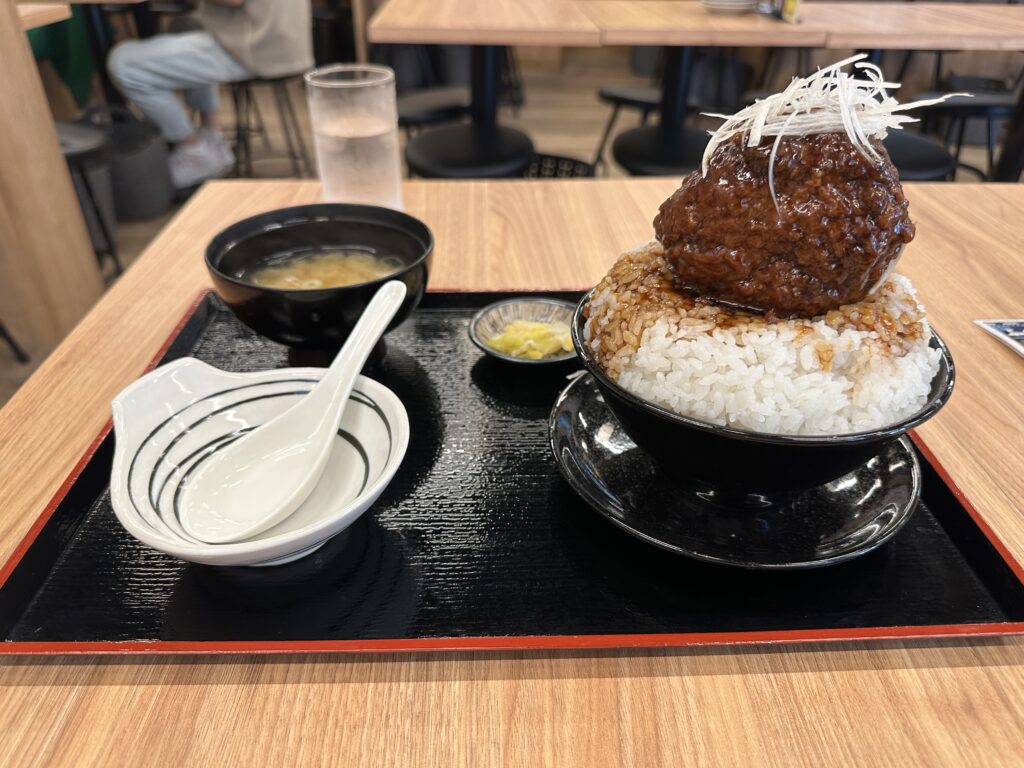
{"type": "Point", "coordinates": [493, 319]}
{"type": "Point", "coordinates": [172, 419]}
{"type": "Point", "coordinates": [257, 481]}
{"type": "Point", "coordinates": [729, 7]}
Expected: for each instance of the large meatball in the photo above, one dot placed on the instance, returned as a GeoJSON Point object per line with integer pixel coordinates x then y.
{"type": "Point", "coordinates": [841, 222]}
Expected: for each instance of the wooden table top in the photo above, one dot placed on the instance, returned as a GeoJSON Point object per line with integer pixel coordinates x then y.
{"type": "Point", "coordinates": [900, 25]}
{"type": "Point", "coordinates": [909, 703]}
{"type": "Point", "coordinates": [39, 15]}
{"type": "Point", "coordinates": [687, 22]}
{"type": "Point", "coordinates": [920, 26]}
{"type": "Point", "coordinates": [890, 25]}
{"type": "Point", "coordinates": [497, 22]}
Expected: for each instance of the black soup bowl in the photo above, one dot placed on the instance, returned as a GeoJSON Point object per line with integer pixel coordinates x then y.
{"type": "Point", "coordinates": [748, 461]}
{"type": "Point", "coordinates": [320, 318]}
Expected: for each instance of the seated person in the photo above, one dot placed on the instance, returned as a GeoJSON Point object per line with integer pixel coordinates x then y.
{"type": "Point", "coordinates": [239, 40]}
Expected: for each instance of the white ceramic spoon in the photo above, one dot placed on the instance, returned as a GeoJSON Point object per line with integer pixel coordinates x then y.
{"type": "Point", "coordinates": [261, 478]}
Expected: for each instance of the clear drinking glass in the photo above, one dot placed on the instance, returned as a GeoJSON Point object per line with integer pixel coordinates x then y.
{"type": "Point", "coordinates": [355, 129]}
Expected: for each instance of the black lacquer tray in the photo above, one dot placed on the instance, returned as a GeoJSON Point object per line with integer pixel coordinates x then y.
{"type": "Point", "coordinates": [478, 543]}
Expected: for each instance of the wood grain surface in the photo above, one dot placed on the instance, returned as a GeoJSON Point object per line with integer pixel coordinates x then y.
{"type": "Point", "coordinates": [41, 14]}
{"type": "Point", "coordinates": [496, 22]}
{"type": "Point", "coordinates": [948, 26]}
{"type": "Point", "coordinates": [48, 273]}
{"type": "Point", "coordinates": [889, 25]}
{"type": "Point", "coordinates": [687, 22]}
{"type": "Point", "coordinates": [919, 26]}
{"type": "Point", "coordinates": [899, 703]}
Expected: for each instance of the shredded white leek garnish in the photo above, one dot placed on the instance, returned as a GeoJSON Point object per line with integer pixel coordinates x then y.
{"type": "Point", "coordinates": [828, 101]}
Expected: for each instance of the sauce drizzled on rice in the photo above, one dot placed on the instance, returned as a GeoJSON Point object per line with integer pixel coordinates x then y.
{"type": "Point", "coordinates": [856, 368]}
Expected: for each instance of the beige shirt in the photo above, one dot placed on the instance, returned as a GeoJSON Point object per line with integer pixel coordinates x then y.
{"type": "Point", "coordinates": [270, 38]}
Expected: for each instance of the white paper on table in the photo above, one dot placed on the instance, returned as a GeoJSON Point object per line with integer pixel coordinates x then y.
{"type": "Point", "coordinates": [1010, 332]}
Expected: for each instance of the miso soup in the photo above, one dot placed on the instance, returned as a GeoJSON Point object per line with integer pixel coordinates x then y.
{"type": "Point", "coordinates": [324, 269]}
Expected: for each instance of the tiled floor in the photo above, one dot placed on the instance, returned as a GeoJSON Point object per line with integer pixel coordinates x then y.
{"type": "Point", "coordinates": [561, 113]}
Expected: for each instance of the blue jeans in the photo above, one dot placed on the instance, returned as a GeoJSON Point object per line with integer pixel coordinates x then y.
{"type": "Point", "coordinates": [149, 72]}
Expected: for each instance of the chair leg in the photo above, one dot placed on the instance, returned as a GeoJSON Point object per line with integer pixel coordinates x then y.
{"type": "Point", "coordinates": [960, 138]}
{"type": "Point", "coordinates": [258, 126]}
{"type": "Point", "coordinates": [951, 128]}
{"type": "Point", "coordinates": [108, 236]}
{"type": "Point", "coordinates": [250, 98]}
{"type": "Point", "coordinates": [236, 101]}
{"type": "Point", "coordinates": [937, 72]}
{"type": "Point", "coordinates": [426, 66]}
{"type": "Point", "coordinates": [19, 352]}
{"type": "Point", "coordinates": [803, 62]}
{"type": "Point", "coordinates": [109, 247]}
{"type": "Point", "coordinates": [659, 66]}
{"type": "Point", "coordinates": [990, 126]}
{"type": "Point", "coordinates": [243, 151]}
{"type": "Point", "coordinates": [769, 68]}
{"type": "Point", "coordinates": [959, 143]}
{"type": "Point", "coordinates": [511, 81]}
{"type": "Point", "coordinates": [599, 155]}
{"type": "Point", "coordinates": [300, 141]}
{"type": "Point", "coordinates": [907, 58]}
{"type": "Point", "coordinates": [282, 114]}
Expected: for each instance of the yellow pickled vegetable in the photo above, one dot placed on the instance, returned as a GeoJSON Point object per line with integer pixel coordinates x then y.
{"type": "Point", "coordinates": [532, 340]}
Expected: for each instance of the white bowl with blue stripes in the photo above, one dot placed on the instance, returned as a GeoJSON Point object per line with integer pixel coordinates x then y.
{"type": "Point", "coordinates": [174, 418]}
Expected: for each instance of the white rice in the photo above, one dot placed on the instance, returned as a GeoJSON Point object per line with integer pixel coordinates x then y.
{"type": "Point", "coordinates": [859, 368]}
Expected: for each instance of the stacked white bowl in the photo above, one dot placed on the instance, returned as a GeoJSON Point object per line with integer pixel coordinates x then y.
{"type": "Point", "coordinates": [174, 418]}
{"type": "Point", "coordinates": [729, 6]}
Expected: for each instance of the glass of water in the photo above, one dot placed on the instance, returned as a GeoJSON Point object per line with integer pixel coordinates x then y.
{"type": "Point", "coordinates": [355, 129]}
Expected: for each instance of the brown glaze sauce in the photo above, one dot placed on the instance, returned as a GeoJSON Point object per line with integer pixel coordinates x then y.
{"type": "Point", "coordinates": [842, 221]}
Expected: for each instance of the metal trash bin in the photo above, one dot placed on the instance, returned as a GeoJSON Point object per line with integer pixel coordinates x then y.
{"type": "Point", "coordinates": [139, 172]}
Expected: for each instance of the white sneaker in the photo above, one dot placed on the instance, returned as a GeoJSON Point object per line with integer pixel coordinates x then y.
{"type": "Point", "coordinates": [197, 161]}
{"type": "Point", "coordinates": [217, 138]}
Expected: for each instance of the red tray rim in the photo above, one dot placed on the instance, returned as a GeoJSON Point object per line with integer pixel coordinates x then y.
{"type": "Point", "coordinates": [493, 643]}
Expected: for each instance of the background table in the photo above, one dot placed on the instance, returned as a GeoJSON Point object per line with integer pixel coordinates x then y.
{"type": "Point", "coordinates": [928, 703]}
{"type": "Point", "coordinates": [33, 16]}
{"type": "Point", "coordinates": [679, 24]}
{"type": "Point", "coordinates": [891, 25]}
{"type": "Point", "coordinates": [482, 148]}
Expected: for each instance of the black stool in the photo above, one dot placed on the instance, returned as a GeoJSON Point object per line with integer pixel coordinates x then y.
{"type": "Point", "coordinates": [84, 146]}
{"type": "Point", "coordinates": [469, 152]}
{"type": "Point", "coordinates": [644, 151]}
{"type": "Point", "coordinates": [432, 106]}
{"type": "Point", "coordinates": [558, 167]}
{"type": "Point", "coordinates": [481, 148]}
{"type": "Point", "coordinates": [19, 352]}
{"type": "Point", "coordinates": [249, 122]}
{"type": "Point", "coordinates": [918, 158]}
{"type": "Point", "coordinates": [646, 98]}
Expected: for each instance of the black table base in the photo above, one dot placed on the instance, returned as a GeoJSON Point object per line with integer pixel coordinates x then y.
{"type": "Point", "coordinates": [469, 151]}
{"type": "Point", "coordinates": [669, 148]}
{"type": "Point", "coordinates": [649, 151]}
{"type": "Point", "coordinates": [481, 149]}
